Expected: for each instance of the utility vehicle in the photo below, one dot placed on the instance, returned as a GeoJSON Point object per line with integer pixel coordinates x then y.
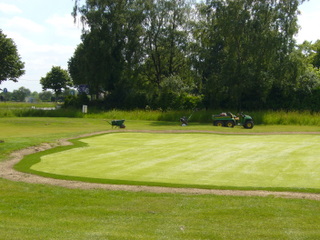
{"type": "Point", "coordinates": [230, 120]}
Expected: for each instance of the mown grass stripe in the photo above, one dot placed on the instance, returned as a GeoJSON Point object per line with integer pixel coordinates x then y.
{"type": "Point", "coordinates": [273, 161]}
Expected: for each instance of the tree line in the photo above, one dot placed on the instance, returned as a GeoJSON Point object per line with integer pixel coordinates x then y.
{"type": "Point", "coordinates": [178, 54]}
{"type": "Point", "coordinates": [184, 54]}
{"type": "Point", "coordinates": [25, 95]}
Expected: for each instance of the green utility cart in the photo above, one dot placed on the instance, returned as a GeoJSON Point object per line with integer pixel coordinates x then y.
{"type": "Point", "coordinates": [230, 120]}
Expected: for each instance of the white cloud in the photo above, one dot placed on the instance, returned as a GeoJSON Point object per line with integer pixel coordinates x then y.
{"type": "Point", "coordinates": [24, 24]}
{"type": "Point", "coordinates": [9, 8]}
{"type": "Point", "coordinates": [21, 41]}
{"type": "Point", "coordinates": [39, 58]}
{"type": "Point", "coordinates": [308, 20]}
{"type": "Point", "coordinates": [64, 26]}
{"type": "Point", "coordinates": [45, 35]}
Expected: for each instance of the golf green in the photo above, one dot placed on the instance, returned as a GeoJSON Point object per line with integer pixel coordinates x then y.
{"type": "Point", "coordinates": [193, 158]}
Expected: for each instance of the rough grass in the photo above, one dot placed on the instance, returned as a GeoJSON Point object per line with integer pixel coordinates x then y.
{"type": "Point", "coordinates": [266, 117]}
{"type": "Point", "coordinates": [305, 118]}
{"type": "Point", "coordinates": [18, 133]}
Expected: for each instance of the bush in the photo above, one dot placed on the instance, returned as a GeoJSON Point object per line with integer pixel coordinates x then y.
{"type": "Point", "coordinates": [76, 101]}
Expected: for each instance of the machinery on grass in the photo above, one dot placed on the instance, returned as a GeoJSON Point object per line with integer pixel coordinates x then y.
{"type": "Point", "coordinates": [230, 120]}
{"type": "Point", "coordinates": [117, 123]}
{"type": "Point", "coordinates": [185, 120]}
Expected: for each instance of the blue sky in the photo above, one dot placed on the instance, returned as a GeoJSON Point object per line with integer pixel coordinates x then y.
{"type": "Point", "coordinates": [46, 36]}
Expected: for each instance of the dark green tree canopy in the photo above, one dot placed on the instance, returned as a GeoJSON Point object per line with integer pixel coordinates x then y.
{"type": "Point", "coordinates": [11, 67]}
{"type": "Point", "coordinates": [57, 80]}
{"type": "Point", "coordinates": [236, 53]}
{"type": "Point", "coordinates": [110, 44]}
{"type": "Point", "coordinates": [244, 48]}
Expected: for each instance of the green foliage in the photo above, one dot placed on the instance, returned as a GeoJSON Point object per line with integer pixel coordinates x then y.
{"type": "Point", "coordinates": [304, 118]}
{"type": "Point", "coordinates": [20, 94]}
{"type": "Point", "coordinates": [166, 41]}
{"type": "Point", "coordinates": [25, 105]}
{"type": "Point", "coordinates": [23, 94]}
{"type": "Point", "coordinates": [76, 101]}
{"type": "Point", "coordinates": [245, 49]}
{"type": "Point", "coordinates": [279, 117]}
{"type": "Point", "coordinates": [23, 109]}
{"type": "Point", "coordinates": [46, 96]}
{"type": "Point", "coordinates": [40, 113]}
{"type": "Point", "coordinates": [141, 44]}
{"type": "Point", "coordinates": [311, 52]}
{"type": "Point", "coordinates": [230, 54]}
{"type": "Point", "coordinates": [11, 67]}
{"type": "Point", "coordinates": [110, 50]}
{"type": "Point", "coordinates": [57, 79]}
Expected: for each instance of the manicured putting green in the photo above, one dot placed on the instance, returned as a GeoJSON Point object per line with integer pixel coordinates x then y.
{"type": "Point", "coordinates": [194, 158]}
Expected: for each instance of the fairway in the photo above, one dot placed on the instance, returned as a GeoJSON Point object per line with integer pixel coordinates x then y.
{"type": "Point", "coordinates": [193, 158]}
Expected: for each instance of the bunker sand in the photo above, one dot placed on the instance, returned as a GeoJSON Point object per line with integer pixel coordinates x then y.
{"type": "Point", "coordinates": [7, 172]}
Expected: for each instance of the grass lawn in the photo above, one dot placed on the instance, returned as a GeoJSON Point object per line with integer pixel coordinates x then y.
{"type": "Point", "coordinates": [30, 211]}
{"type": "Point", "coordinates": [33, 211]}
{"type": "Point", "coordinates": [193, 159]}
{"type": "Point", "coordinates": [21, 132]}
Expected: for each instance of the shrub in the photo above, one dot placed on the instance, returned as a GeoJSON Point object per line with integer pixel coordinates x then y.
{"type": "Point", "coordinates": [76, 101]}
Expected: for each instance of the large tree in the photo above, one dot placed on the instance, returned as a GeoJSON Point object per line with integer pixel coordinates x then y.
{"type": "Point", "coordinates": [246, 48]}
{"type": "Point", "coordinates": [20, 94]}
{"type": "Point", "coordinates": [130, 47]}
{"type": "Point", "coordinates": [311, 52]}
{"type": "Point", "coordinates": [238, 53]}
{"type": "Point", "coordinates": [11, 67]}
{"type": "Point", "coordinates": [57, 80]}
{"type": "Point", "coordinates": [165, 40]}
{"type": "Point", "coordinates": [110, 48]}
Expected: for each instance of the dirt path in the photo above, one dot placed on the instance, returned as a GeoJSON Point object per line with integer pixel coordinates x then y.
{"type": "Point", "coordinates": [7, 172]}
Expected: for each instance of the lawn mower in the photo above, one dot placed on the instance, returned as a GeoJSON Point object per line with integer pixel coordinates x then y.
{"type": "Point", "coordinates": [230, 120]}
{"type": "Point", "coordinates": [185, 120]}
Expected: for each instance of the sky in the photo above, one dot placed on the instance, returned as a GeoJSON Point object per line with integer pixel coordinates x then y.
{"type": "Point", "coordinates": [46, 35]}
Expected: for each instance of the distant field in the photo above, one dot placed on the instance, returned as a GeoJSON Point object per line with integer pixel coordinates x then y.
{"type": "Point", "coordinates": [285, 161]}
{"type": "Point", "coordinates": [4, 105]}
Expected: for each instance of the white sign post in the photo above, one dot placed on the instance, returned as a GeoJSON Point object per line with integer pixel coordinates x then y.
{"type": "Point", "coordinates": [84, 108]}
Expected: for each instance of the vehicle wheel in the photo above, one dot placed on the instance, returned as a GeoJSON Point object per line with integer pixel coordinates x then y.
{"type": "Point", "coordinates": [230, 124]}
{"type": "Point", "coordinates": [248, 124]}
{"type": "Point", "coordinates": [218, 123]}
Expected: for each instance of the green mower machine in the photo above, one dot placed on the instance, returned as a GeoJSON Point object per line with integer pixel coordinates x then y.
{"type": "Point", "coordinates": [231, 120]}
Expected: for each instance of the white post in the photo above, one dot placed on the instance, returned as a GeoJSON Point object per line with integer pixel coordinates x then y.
{"type": "Point", "coordinates": [84, 108]}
